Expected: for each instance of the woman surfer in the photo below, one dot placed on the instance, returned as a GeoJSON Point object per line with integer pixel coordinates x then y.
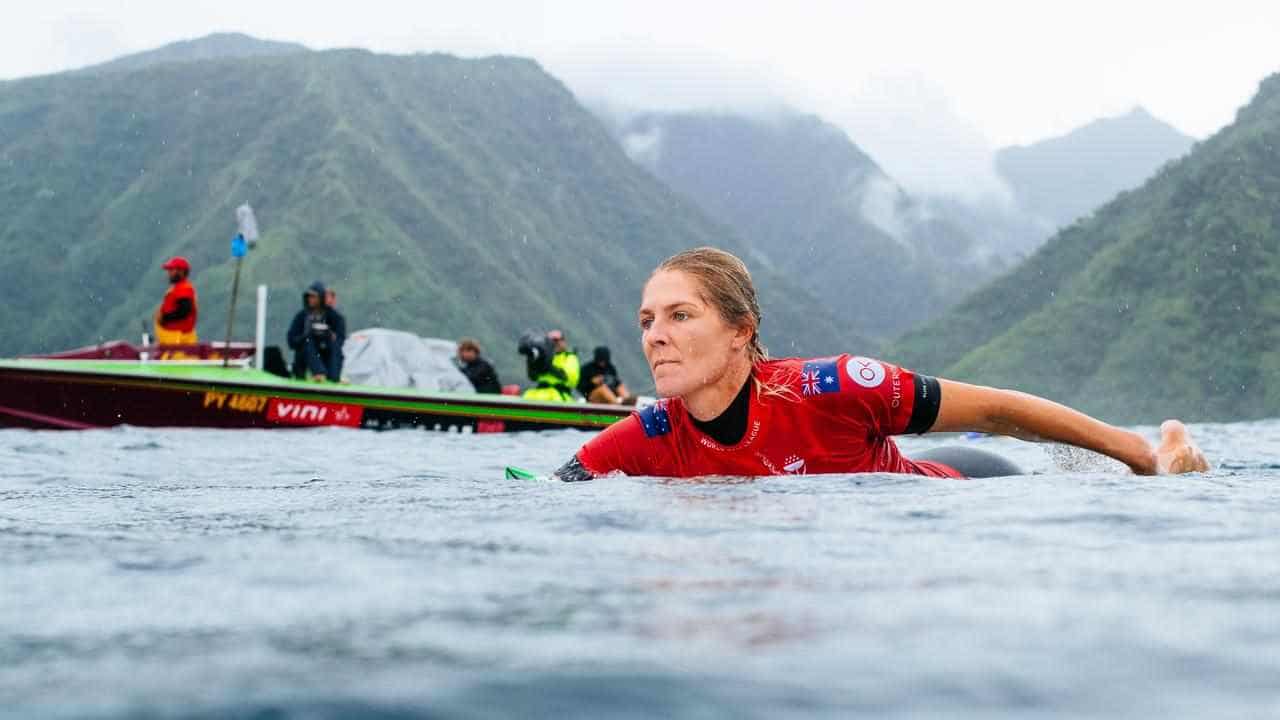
{"type": "Point", "coordinates": [729, 410]}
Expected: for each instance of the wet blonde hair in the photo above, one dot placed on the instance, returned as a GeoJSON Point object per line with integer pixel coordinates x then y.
{"type": "Point", "coordinates": [725, 284]}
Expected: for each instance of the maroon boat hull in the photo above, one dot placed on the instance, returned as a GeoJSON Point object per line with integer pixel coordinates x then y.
{"type": "Point", "coordinates": [40, 396]}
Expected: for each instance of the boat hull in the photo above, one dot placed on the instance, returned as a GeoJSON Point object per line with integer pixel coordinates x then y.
{"type": "Point", "coordinates": [94, 394]}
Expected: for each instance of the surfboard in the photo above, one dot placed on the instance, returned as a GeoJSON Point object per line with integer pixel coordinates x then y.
{"type": "Point", "coordinates": [515, 473]}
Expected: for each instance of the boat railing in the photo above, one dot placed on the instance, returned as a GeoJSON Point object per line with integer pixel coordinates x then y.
{"type": "Point", "coordinates": [121, 350]}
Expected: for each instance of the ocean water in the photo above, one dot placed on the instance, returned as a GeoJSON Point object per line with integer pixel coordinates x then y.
{"type": "Point", "coordinates": [348, 574]}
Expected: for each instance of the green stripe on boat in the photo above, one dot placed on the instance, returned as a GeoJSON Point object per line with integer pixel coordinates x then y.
{"type": "Point", "coordinates": [248, 381]}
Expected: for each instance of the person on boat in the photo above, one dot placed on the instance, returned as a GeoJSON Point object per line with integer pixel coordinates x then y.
{"type": "Point", "coordinates": [478, 370]}
{"type": "Point", "coordinates": [565, 358]}
{"type": "Point", "coordinates": [548, 368]}
{"type": "Point", "coordinates": [339, 324]}
{"type": "Point", "coordinates": [599, 381]}
{"type": "Point", "coordinates": [727, 409]}
{"type": "Point", "coordinates": [175, 319]}
{"type": "Point", "coordinates": [316, 336]}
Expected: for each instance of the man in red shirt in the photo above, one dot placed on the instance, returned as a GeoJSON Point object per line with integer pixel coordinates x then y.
{"type": "Point", "coordinates": [175, 319]}
{"type": "Point", "coordinates": [730, 410]}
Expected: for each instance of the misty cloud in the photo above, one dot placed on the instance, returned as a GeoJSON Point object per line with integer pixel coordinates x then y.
{"type": "Point", "coordinates": [907, 123]}
{"type": "Point", "coordinates": [1019, 72]}
{"type": "Point", "coordinates": [644, 147]}
{"type": "Point", "coordinates": [881, 204]}
{"type": "Point", "coordinates": [909, 126]}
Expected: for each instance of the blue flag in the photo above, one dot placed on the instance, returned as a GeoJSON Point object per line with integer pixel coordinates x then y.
{"type": "Point", "coordinates": [655, 420]}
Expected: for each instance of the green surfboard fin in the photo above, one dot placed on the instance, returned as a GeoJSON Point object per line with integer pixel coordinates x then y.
{"type": "Point", "coordinates": [515, 473]}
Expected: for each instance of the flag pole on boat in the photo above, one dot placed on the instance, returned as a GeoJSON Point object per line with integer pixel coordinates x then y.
{"type": "Point", "coordinates": [245, 239]}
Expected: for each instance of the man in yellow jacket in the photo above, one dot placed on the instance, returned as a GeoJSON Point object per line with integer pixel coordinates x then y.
{"type": "Point", "coordinates": [552, 365]}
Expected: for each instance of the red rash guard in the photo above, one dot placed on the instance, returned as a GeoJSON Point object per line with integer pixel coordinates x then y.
{"type": "Point", "coordinates": [183, 289]}
{"type": "Point", "coordinates": [837, 416]}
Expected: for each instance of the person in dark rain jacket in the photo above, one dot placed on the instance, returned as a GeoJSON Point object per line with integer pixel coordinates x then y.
{"type": "Point", "coordinates": [316, 336]}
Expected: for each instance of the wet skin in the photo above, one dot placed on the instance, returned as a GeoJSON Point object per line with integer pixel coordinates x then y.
{"type": "Point", "coordinates": [692, 351]}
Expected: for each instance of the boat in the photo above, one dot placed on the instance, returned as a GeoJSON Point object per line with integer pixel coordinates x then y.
{"type": "Point", "coordinates": [78, 393]}
{"type": "Point", "coordinates": [247, 385]}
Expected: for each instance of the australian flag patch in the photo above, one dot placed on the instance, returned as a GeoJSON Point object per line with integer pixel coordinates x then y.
{"type": "Point", "coordinates": [655, 419]}
{"type": "Point", "coordinates": [820, 376]}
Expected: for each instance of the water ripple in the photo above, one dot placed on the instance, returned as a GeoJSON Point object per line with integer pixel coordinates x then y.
{"type": "Point", "coordinates": [318, 574]}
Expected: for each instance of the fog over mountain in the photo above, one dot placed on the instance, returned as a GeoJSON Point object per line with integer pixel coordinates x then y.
{"type": "Point", "coordinates": [907, 123]}
{"type": "Point", "coordinates": [1064, 178]}
{"type": "Point", "coordinates": [809, 201]}
{"type": "Point", "coordinates": [1003, 217]}
{"type": "Point", "coordinates": [911, 127]}
{"type": "Point", "coordinates": [1050, 184]}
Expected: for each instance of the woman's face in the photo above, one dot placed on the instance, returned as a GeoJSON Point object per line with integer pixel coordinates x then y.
{"type": "Point", "coordinates": [688, 345]}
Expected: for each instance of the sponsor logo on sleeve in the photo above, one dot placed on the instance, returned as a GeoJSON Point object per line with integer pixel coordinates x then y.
{"type": "Point", "coordinates": [866, 372]}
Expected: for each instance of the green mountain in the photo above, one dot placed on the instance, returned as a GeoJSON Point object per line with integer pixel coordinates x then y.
{"type": "Point", "coordinates": [1163, 303]}
{"type": "Point", "coordinates": [210, 47]}
{"type": "Point", "coordinates": [439, 195]}
{"type": "Point", "coordinates": [1065, 178]}
{"type": "Point", "coordinates": [810, 202]}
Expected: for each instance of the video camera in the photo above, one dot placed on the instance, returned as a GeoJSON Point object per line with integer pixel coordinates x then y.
{"type": "Point", "coordinates": [537, 350]}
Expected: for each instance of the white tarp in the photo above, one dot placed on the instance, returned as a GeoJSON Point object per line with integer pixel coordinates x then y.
{"type": "Point", "coordinates": [392, 358]}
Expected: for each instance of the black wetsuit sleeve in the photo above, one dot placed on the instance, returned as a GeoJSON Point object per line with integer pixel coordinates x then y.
{"type": "Point", "coordinates": [181, 309]}
{"type": "Point", "coordinates": [573, 471]}
{"type": "Point", "coordinates": [928, 400]}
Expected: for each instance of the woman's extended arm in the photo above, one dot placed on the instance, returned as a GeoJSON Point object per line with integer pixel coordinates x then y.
{"type": "Point", "coordinates": [1017, 414]}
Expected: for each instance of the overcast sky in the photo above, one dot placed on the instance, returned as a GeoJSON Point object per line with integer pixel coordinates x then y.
{"type": "Point", "coordinates": [928, 88]}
